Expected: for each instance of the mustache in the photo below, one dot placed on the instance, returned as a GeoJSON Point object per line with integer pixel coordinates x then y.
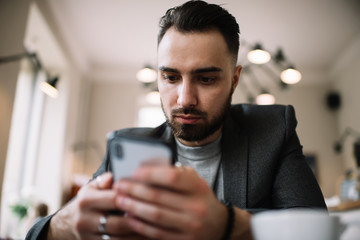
{"type": "Point", "coordinates": [188, 111]}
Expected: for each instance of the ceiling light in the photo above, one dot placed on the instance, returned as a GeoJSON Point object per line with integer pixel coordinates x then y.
{"type": "Point", "coordinates": [290, 75]}
{"type": "Point", "coordinates": [146, 75]}
{"type": "Point", "coordinates": [49, 87]}
{"type": "Point", "coordinates": [265, 98]}
{"type": "Point", "coordinates": [258, 55]}
{"type": "Point", "coordinates": [153, 97]}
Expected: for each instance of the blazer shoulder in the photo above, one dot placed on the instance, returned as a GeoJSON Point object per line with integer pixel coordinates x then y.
{"type": "Point", "coordinates": [261, 110]}
{"type": "Point", "coordinates": [262, 117]}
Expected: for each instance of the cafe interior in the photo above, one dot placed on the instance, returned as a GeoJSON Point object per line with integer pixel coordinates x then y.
{"type": "Point", "coordinates": [71, 72]}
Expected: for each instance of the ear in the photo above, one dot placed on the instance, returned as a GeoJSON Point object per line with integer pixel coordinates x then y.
{"type": "Point", "coordinates": [236, 77]}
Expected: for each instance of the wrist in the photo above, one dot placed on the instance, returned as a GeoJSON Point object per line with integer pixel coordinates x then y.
{"type": "Point", "coordinates": [230, 221]}
{"type": "Point", "coordinates": [242, 229]}
{"type": "Point", "coordinates": [60, 226]}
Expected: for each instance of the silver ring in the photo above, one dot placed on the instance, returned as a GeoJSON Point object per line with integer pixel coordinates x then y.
{"type": "Point", "coordinates": [105, 237]}
{"type": "Point", "coordinates": [102, 225]}
{"type": "Point", "coordinates": [180, 166]}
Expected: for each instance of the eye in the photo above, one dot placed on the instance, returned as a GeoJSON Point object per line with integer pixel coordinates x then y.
{"type": "Point", "coordinates": [207, 80]}
{"type": "Point", "coordinates": [170, 78]}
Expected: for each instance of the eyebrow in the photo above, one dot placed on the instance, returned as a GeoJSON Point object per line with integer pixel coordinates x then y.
{"type": "Point", "coordinates": [199, 70]}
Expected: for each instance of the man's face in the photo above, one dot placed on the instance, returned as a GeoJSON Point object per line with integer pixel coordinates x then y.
{"type": "Point", "coordinates": [196, 80]}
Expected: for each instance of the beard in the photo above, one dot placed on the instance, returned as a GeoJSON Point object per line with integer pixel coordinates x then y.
{"type": "Point", "coordinates": [197, 132]}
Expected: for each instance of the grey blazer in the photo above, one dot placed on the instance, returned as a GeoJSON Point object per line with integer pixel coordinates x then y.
{"type": "Point", "coordinates": [262, 159]}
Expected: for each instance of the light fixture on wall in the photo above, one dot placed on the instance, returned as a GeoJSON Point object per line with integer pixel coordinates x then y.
{"type": "Point", "coordinates": [258, 55]}
{"type": "Point", "coordinates": [265, 98]}
{"type": "Point", "coordinates": [48, 86]}
{"type": "Point", "coordinates": [153, 97]}
{"type": "Point", "coordinates": [146, 74]}
{"type": "Point", "coordinates": [290, 75]}
{"type": "Point", "coordinates": [338, 146]}
{"type": "Point", "coordinates": [17, 57]}
{"type": "Point", "coordinates": [275, 65]}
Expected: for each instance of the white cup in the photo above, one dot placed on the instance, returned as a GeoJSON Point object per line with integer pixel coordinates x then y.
{"type": "Point", "coordinates": [295, 225]}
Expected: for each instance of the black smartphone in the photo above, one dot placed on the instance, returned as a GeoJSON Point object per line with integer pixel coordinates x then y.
{"type": "Point", "coordinates": [128, 153]}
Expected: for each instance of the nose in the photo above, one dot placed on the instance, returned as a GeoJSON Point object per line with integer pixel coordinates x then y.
{"type": "Point", "coordinates": [187, 96]}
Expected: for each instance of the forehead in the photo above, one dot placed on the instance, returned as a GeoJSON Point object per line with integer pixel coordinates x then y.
{"type": "Point", "coordinates": [193, 49]}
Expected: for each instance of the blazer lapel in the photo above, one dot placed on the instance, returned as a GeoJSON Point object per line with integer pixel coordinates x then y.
{"type": "Point", "coordinates": [234, 162]}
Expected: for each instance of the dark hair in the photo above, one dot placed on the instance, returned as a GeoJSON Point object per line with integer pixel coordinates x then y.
{"type": "Point", "coordinates": [199, 16]}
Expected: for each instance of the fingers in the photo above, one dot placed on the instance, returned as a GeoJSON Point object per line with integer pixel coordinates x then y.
{"type": "Point", "coordinates": [182, 179]}
{"type": "Point", "coordinates": [154, 232]}
{"type": "Point", "coordinates": [169, 203]}
{"type": "Point", "coordinates": [164, 217]}
{"type": "Point", "coordinates": [112, 237]}
{"type": "Point", "coordinates": [167, 196]}
{"type": "Point", "coordinates": [164, 206]}
{"type": "Point", "coordinates": [94, 202]}
{"type": "Point", "coordinates": [112, 224]}
{"type": "Point", "coordinates": [87, 215]}
{"type": "Point", "coordinates": [148, 193]}
{"type": "Point", "coordinates": [98, 194]}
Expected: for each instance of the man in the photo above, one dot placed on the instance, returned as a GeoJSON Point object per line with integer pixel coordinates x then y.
{"type": "Point", "coordinates": [247, 156]}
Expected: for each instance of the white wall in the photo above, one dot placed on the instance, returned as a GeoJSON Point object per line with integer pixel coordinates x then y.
{"type": "Point", "coordinates": [112, 106]}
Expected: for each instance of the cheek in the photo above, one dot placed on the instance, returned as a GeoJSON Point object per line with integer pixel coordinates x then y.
{"type": "Point", "coordinates": [214, 102]}
{"type": "Point", "coordinates": [215, 97]}
{"type": "Point", "coordinates": [168, 98]}
{"type": "Point", "coordinates": [168, 92]}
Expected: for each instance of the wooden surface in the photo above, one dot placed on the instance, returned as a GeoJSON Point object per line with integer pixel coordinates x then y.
{"type": "Point", "coordinates": [344, 206]}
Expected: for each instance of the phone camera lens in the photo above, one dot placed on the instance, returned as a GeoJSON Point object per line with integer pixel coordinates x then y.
{"type": "Point", "coordinates": [119, 151]}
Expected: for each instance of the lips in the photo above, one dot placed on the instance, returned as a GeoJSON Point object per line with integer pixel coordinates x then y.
{"type": "Point", "coordinates": [187, 119]}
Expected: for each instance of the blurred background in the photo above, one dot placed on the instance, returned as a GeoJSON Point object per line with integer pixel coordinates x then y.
{"type": "Point", "coordinates": [91, 51]}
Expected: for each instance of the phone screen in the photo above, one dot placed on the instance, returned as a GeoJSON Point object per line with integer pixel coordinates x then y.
{"type": "Point", "coordinates": [129, 153]}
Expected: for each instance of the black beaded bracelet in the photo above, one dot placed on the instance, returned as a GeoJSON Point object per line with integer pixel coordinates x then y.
{"type": "Point", "coordinates": [230, 221]}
